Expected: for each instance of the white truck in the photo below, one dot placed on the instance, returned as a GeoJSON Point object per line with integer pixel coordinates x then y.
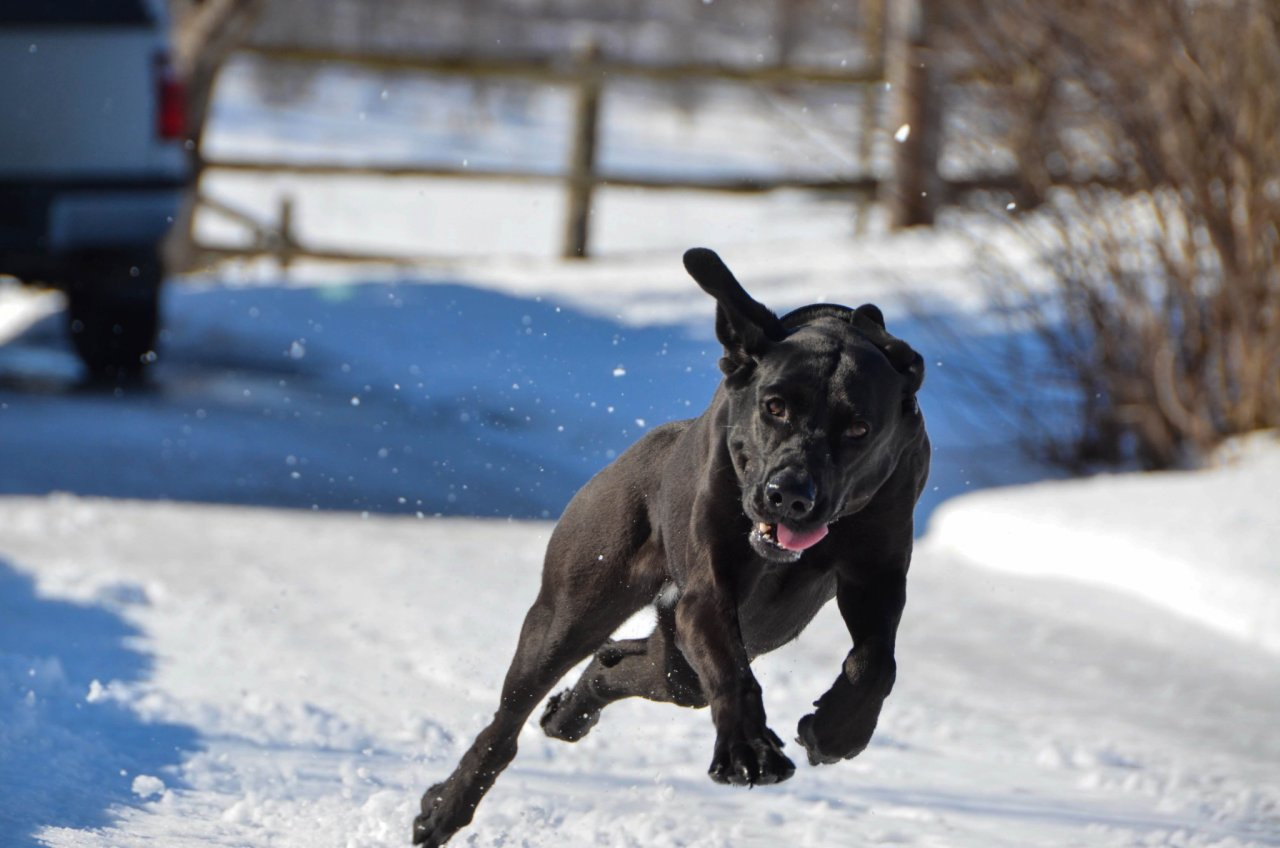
{"type": "Point", "coordinates": [93, 166]}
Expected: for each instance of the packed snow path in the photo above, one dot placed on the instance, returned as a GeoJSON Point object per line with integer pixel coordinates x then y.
{"type": "Point", "coordinates": [210, 675]}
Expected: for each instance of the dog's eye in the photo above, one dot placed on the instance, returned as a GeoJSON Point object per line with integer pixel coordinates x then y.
{"type": "Point", "coordinates": [858, 430]}
{"type": "Point", "coordinates": [776, 407]}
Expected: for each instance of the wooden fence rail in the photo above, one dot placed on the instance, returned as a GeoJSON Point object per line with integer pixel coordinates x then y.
{"type": "Point", "coordinates": [568, 71]}
{"type": "Point", "coordinates": [865, 187]}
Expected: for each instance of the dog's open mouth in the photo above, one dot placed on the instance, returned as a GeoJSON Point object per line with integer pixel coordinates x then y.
{"type": "Point", "coordinates": [781, 543]}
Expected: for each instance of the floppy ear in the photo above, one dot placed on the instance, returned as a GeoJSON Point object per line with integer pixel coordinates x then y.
{"type": "Point", "coordinates": [745, 327]}
{"type": "Point", "coordinates": [872, 312]}
{"type": "Point", "coordinates": [870, 321]}
{"type": "Point", "coordinates": [907, 362]}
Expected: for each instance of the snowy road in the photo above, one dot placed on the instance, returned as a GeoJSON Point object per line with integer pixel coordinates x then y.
{"type": "Point", "coordinates": [202, 667]}
{"type": "Point", "coordinates": [283, 678]}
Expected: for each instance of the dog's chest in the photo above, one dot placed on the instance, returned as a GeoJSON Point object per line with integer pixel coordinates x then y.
{"type": "Point", "coordinates": [782, 602]}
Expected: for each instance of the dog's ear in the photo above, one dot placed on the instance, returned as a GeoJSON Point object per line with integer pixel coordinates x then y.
{"type": "Point", "coordinates": [870, 321]}
{"type": "Point", "coordinates": [871, 312]}
{"type": "Point", "coordinates": [744, 326]}
{"type": "Point", "coordinates": [907, 362]}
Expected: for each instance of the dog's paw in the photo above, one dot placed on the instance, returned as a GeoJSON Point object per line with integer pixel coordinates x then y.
{"type": "Point", "coordinates": [841, 743]}
{"type": "Point", "coordinates": [808, 739]}
{"type": "Point", "coordinates": [426, 833]}
{"type": "Point", "coordinates": [751, 762]}
{"type": "Point", "coordinates": [561, 720]}
{"type": "Point", "coordinates": [429, 828]}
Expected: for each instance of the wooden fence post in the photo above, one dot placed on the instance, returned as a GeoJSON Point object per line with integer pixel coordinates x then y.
{"type": "Point", "coordinates": [582, 158]}
{"type": "Point", "coordinates": [286, 244]}
{"type": "Point", "coordinates": [874, 34]}
{"type": "Point", "coordinates": [913, 194]}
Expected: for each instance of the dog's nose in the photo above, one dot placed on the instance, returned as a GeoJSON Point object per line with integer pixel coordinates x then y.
{"type": "Point", "coordinates": [791, 493]}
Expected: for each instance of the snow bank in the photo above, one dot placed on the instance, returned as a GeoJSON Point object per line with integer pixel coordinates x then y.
{"type": "Point", "coordinates": [1204, 544]}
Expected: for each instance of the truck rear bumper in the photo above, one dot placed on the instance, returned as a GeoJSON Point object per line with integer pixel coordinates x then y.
{"type": "Point", "coordinates": [45, 225]}
{"type": "Point", "coordinates": [82, 220]}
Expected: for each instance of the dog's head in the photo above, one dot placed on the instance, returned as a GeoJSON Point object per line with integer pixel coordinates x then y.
{"type": "Point", "coordinates": [822, 405]}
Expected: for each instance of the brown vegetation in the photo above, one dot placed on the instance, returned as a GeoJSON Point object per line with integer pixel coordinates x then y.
{"type": "Point", "coordinates": [1166, 299]}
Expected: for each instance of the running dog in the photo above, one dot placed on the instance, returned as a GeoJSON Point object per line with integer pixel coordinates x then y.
{"type": "Point", "coordinates": [796, 485]}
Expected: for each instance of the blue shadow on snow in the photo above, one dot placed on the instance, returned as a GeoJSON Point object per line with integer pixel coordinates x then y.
{"type": "Point", "coordinates": [407, 397]}
{"type": "Point", "coordinates": [66, 760]}
{"type": "Point", "coordinates": [385, 397]}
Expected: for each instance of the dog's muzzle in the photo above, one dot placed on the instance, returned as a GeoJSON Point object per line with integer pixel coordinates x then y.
{"type": "Point", "coordinates": [780, 543]}
{"type": "Point", "coordinates": [788, 498]}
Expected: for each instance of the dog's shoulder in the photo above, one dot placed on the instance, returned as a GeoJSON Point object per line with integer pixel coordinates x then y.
{"type": "Point", "coordinates": [640, 465]}
{"type": "Point", "coordinates": [652, 449]}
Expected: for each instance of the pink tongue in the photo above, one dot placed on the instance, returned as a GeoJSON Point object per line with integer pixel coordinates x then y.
{"type": "Point", "coordinates": [794, 541]}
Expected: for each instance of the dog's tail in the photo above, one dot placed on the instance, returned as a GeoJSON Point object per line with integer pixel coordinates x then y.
{"type": "Point", "coordinates": [715, 278]}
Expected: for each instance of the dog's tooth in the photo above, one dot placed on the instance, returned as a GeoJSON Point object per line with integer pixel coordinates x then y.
{"type": "Point", "coordinates": [763, 528]}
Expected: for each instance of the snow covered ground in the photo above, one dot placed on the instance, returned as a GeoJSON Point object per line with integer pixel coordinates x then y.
{"type": "Point", "coordinates": [199, 675]}
{"type": "Point", "coordinates": [231, 604]}
{"type": "Point", "coordinates": [198, 668]}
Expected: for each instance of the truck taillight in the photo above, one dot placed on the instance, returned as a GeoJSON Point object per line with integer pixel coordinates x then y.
{"type": "Point", "coordinates": [171, 102]}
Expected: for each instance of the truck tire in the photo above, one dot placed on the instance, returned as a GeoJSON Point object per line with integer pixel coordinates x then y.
{"type": "Point", "coordinates": [113, 314]}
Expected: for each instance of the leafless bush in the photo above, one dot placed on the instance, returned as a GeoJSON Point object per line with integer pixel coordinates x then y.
{"type": "Point", "coordinates": [1165, 300]}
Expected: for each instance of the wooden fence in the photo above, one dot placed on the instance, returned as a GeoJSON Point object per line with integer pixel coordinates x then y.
{"type": "Point", "coordinates": [912, 194]}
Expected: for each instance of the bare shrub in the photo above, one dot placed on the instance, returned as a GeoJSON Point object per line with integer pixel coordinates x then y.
{"type": "Point", "coordinates": [1165, 297]}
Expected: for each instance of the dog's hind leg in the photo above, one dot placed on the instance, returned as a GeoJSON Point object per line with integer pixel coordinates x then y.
{"type": "Point", "coordinates": [651, 668]}
{"type": "Point", "coordinates": [551, 642]}
{"type": "Point", "coordinates": [600, 567]}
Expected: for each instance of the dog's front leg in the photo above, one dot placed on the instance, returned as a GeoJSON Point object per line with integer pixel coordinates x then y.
{"type": "Point", "coordinates": [846, 714]}
{"type": "Point", "coordinates": [747, 752]}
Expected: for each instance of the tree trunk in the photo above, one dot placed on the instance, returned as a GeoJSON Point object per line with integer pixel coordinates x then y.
{"type": "Point", "coordinates": [205, 33]}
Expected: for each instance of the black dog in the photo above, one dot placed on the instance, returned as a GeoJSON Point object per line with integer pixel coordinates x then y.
{"type": "Point", "coordinates": [796, 485]}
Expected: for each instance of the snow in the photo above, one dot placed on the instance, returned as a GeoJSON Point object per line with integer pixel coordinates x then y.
{"type": "Point", "coordinates": [270, 600]}
{"type": "Point", "coordinates": [297, 679]}
{"type": "Point", "coordinates": [205, 667]}
{"type": "Point", "coordinates": [1203, 544]}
